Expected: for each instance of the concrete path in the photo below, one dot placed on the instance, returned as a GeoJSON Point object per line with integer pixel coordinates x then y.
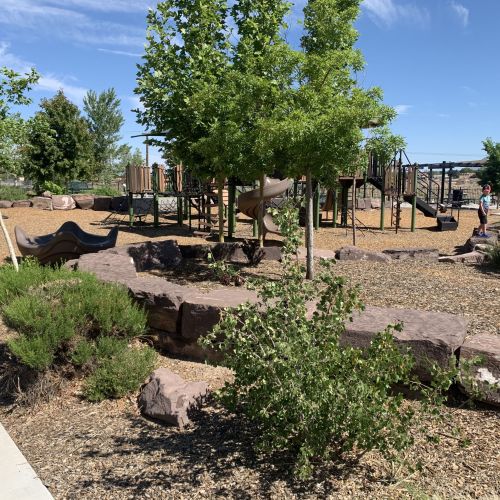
{"type": "Point", "coordinates": [18, 481]}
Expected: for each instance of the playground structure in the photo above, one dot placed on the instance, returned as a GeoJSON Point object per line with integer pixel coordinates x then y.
{"type": "Point", "coordinates": [175, 190]}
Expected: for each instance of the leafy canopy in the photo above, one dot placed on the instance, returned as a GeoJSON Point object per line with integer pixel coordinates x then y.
{"type": "Point", "coordinates": [490, 174]}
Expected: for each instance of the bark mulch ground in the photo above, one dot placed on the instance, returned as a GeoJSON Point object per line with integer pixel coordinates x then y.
{"type": "Point", "coordinates": [107, 450]}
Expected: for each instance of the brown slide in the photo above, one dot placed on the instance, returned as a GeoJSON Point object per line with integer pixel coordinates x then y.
{"type": "Point", "coordinates": [249, 202]}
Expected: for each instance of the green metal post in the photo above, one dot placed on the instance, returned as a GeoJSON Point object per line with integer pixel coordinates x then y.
{"type": "Point", "coordinates": [345, 200]}
{"type": "Point", "coordinates": [231, 223]}
{"type": "Point", "coordinates": [179, 211]}
{"type": "Point", "coordinates": [255, 225]}
{"type": "Point", "coordinates": [155, 196]}
{"type": "Point", "coordinates": [316, 207]}
{"type": "Point", "coordinates": [335, 207]}
{"type": "Point", "coordinates": [382, 211]}
{"type": "Point", "coordinates": [414, 201]}
{"type": "Point", "coordinates": [131, 208]}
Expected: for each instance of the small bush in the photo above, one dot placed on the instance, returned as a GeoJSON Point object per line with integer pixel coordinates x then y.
{"type": "Point", "coordinates": [310, 396]}
{"type": "Point", "coordinates": [52, 187]}
{"type": "Point", "coordinates": [493, 257]}
{"type": "Point", "coordinates": [121, 373]}
{"type": "Point", "coordinates": [64, 317]}
{"type": "Point", "coordinates": [12, 193]}
{"type": "Point", "coordinates": [106, 191]}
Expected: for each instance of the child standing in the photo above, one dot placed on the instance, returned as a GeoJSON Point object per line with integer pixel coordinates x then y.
{"type": "Point", "coordinates": [484, 205]}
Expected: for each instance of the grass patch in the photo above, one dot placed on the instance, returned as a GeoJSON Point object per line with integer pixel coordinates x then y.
{"type": "Point", "coordinates": [13, 193]}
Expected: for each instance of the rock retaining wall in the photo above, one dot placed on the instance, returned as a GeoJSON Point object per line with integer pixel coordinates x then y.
{"type": "Point", "coordinates": [179, 315]}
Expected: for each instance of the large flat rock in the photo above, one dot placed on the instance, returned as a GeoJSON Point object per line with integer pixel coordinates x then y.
{"type": "Point", "coordinates": [41, 202]}
{"type": "Point", "coordinates": [433, 337]}
{"type": "Point", "coordinates": [84, 201]}
{"type": "Point", "coordinates": [427, 254]}
{"type": "Point", "coordinates": [486, 374]}
{"type": "Point", "coordinates": [108, 267]}
{"type": "Point", "coordinates": [5, 204]}
{"type": "Point", "coordinates": [163, 301]}
{"type": "Point", "coordinates": [63, 202]}
{"type": "Point", "coordinates": [21, 203]}
{"type": "Point", "coordinates": [356, 253]}
{"type": "Point", "coordinates": [201, 312]}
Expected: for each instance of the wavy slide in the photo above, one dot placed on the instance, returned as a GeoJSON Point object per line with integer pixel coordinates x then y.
{"type": "Point", "coordinates": [249, 202]}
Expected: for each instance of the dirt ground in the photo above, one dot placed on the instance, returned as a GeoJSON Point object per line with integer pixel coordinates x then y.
{"type": "Point", "coordinates": [109, 451]}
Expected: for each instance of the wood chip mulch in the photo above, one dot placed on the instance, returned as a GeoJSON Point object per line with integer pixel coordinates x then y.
{"type": "Point", "coordinates": [108, 451]}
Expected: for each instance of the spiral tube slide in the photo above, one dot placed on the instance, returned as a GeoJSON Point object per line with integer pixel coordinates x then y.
{"type": "Point", "coordinates": [249, 202]}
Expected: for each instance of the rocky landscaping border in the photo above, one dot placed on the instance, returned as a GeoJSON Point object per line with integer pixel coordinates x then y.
{"type": "Point", "coordinates": [179, 315]}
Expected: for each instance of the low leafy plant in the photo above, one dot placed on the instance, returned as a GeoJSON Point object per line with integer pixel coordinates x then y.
{"type": "Point", "coordinates": [105, 191]}
{"type": "Point", "coordinates": [69, 318]}
{"type": "Point", "coordinates": [52, 187]}
{"type": "Point", "coordinates": [225, 273]}
{"type": "Point", "coordinates": [493, 257]}
{"type": "Point", "coordinates": [13, 193]}
{"type": "Point", "coordinates": [120, 372]}
{"type": "Point", "coordinates": [309, 395]}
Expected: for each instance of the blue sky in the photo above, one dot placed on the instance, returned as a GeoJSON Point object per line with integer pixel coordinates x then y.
{"type": "Point", "coordinates": [436, 60]}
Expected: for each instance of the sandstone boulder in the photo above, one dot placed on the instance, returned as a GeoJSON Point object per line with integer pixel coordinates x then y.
{"type": "Point", "coordinates": [63, 202]}
{"type": "Point", "coordinates": [486, 375]}
{"type": "Point", "coordinates": [108, 267]}
{"type": "Point", "coordinates": [21, 203]}
{"type": "Point", "coordinates": [427, 254]}
{"type": "Point", "coordinates": [466, 258]}
{"type": "Point", "coordinates": [356, 253]}
{"type": "Point", "coordinates": [201, 312]}
{"type": "Point", "coordinates": [102, 203]}
{"type": "Point", "coordinates": [475, 240]}
{"type": "Point", "coordinates": [42, 203]}
{"type": "Point", "coordinates": [163, 301]}
{"type": "Point", "coordinates": [84, 201]}
{"type": "Point", "coordinates": [433, 337]}
{"type": "Point", "coordinates": [168, 397]}
{"type": "Point", "coordinates": [5, 204]}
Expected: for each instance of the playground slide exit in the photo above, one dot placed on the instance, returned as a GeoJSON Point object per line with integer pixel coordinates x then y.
{"type": "Point", "coordinates": [249, 202]}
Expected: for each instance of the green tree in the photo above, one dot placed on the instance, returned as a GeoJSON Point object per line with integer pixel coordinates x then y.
{"type": "Point", "coordinates": [186, 54]}
{"type": "Point", "coordinates": [13, 88]}
{"type": "Point", "coordinates": [490, 173]}
{"type": "Point", "coordinates": [59, 143]}
{"type": "Point", "coordinates": [320, 129]}
{"type": "Point", "coordinates": [105, 120]}
{"type": "Point", "coordinates": [384, 144]}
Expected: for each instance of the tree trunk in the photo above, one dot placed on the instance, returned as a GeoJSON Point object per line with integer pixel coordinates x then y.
{"type": "Point", "coordinates": [9, 244]}
{"type": "Point", "coordinates": [220, 189]}
{"type": "Point", "coordinates": [309, 228]}
{"type": "Point", "coordinates": [261, 210]}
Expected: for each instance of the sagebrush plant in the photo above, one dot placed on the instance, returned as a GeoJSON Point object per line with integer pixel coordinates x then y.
{"type": "Point", "coordinates": [309, 395]}
{"type": "Point", "coordinates": [493, 256]}
{"type": "Point", "coordinates": [70, 318]}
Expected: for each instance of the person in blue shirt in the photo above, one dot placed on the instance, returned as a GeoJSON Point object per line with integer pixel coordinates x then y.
{"type": "Point", "coordinates": [484, 205]}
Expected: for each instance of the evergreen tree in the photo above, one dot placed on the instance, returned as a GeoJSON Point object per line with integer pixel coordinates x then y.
{"type": "Point", "coordinates": [59, 143]}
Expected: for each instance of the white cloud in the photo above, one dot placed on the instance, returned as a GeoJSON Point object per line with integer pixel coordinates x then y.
{"type": "Point", "coordinates": [120, 52]}
{"type": "Point", "coordinates": [51, 83]}
{"type": "Point", "coordinates": [461, 12]}
{"type": "Point", "coordinates": [388, 12]}
{"type": "Point", "coordinates": [47, 82]}
{"type": "Point", "coordinates": [106, 6]}
{"type": "Point", "coordinates": [42, 19]}
{"type": "Point", "coordinates": [402, 109]}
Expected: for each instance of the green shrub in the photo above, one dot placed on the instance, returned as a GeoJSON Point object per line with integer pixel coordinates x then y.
{"type": "Point", "coordinates": [12, 193]}
{"type": "Point", "coordinates": [310, 396]}
{"type": "Point", "coordinates": [52, 187]}
{"type": "Point", "coordinates": [493, 257]}
{"type": "Point", "coordinates": [66, 317]}
{"type": "Point", "coordinates": [106, 191]}
{"type": "Point", "coordinates": [121, 373]}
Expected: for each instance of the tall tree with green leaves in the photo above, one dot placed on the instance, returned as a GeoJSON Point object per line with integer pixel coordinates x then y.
{"type": "Point", "coordinates": [59, 143]}
{"type": "Point", "coordinates": [186, 56]}
{"type": "Point", "coordinates": [105, 119]}
{"type": "Point", "coordinates": [321, 126]}
{"type": "Point", "coordinates": [13, 90]}
{"type": "Point", "coordinates": [490, 173]}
